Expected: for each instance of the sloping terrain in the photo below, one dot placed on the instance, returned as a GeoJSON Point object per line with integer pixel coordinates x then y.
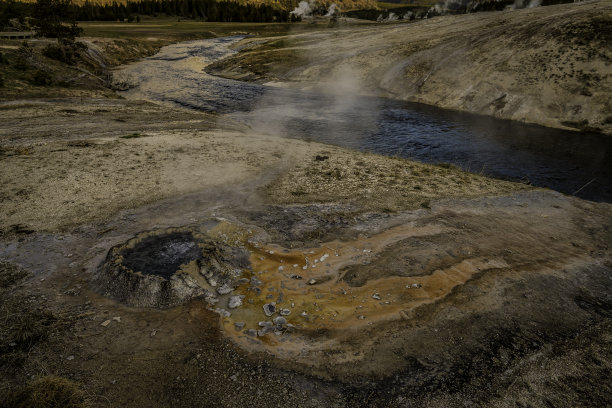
{"type": "Point", "coordinates": [547, 65]}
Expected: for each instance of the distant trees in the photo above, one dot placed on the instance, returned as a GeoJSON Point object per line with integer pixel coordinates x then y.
{"type": "Point", "coordinates": [12, 11]}
{"type": "Point", "coordinates": [56, 19]}
{"type": "Point", "coordinates": [206, 10]}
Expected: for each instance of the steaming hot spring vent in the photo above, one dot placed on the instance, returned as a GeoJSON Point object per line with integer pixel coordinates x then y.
{"type": "Point", "coordinates": [166, 267]}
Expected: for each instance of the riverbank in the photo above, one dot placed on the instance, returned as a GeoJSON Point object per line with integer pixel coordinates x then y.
{"type": "Point", "coordinates": [545, 65]}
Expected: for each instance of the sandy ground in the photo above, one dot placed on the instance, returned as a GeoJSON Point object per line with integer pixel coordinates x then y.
{"type": "Point", "coordinates": [448, 289]}
{"type": "Point", "coordinates": [546, 65]}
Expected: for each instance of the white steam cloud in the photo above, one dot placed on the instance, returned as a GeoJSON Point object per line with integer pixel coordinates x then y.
{"type": "Point", "coordinates": [391, 17]}
{"type": "Point", "coordinates": [332, 10]}
{"type": "Point", "coordinates": [304, 9]}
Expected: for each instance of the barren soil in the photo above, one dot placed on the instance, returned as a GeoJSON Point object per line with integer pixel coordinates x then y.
{"type": "Point", "coordinates": [546, 65]}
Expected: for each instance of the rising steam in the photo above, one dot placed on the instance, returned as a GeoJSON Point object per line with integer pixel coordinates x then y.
{"type": "Point", "coordinates": [304, 9]}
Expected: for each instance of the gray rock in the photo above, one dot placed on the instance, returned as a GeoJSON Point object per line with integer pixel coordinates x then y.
{"type": "Point", "coordinates": [251, 332]}
{"type": "Point", "coordinates": [285, 312]}
{"type": "Point", "coordinates": [269, 308]}
{"type": "Point", "coordinates": [312, 281]}
{"type": "Point", "coordinates": [223, 312]}
{"type": "Point", "coordinates": [239, 325]}
{"type": "Point", "coordinates": [279, 320]}
{"type": "Point", "coordinates": [225, 289]}
{"type": "Point", "coordinates": [235, 301]}
{"type": "Point", "coordinates": [376, 296]}
{"type": "Point", "coordinates": [255, 281]}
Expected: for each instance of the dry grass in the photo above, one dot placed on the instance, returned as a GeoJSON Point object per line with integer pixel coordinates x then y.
{"type": "Point", "coordinates": [379, 183]}
{"type": "Point", "coordinates": [47, 392]}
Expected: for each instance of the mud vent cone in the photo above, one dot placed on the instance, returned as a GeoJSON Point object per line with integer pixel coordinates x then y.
{"type": "Point", "coordinates": [164, 268]}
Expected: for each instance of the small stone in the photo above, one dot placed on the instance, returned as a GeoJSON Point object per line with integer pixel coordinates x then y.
{"type": "Point", "coordinates": [280, 268]}
{"type": "Point", "coordinates": [223, 312]}
{"type": "Point", "coordinates": [251, 332]}
{"type": "Point", "coordinates": [294, 276]}
{"type": "Point", "coordinates": [69, 358]}
{"type": "Point", "coordinates": [234, 377]}
{"type": "Point", "coordinates": [312, 281]}
{"type": "Point", "coordinates": [361, 317]}
{"type": "Point", "coordinates": [239, 325]}
{"type": "Point", "coordinates": [414, 286]}
{"type": "Point", "coordinates": [255, 281]}
{"type": "Point", "coordinates": [117, 319]}
{"type": "Point", "coordinates": [265, 324]}
{"type": "Point", "coordinates": [279, 320]}
{"type": "Point", "coordinates": [285, 312]}
{"type": "Point", "coordinates": [235, 301]}
{"type": "Point", "coordinates": [225, 289]}
{"type": "Point", "coordinates": [295, 265]}
{"type": "Point", "coordinates": [269, 308]}
{"type": "Point", "coordinates": [304, 314]}
{"type": "Point", "coordinates": [153, 332]}
{"type": "Point", "coordinates": [376, 296]}
{"type": "Point", "coordinates": [105, 323]}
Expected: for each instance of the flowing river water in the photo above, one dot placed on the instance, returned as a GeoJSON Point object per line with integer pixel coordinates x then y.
{"type": "Point", "coordinates": [569, 162]}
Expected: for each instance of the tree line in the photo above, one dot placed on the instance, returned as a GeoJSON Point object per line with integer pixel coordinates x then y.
{"type": "Point", "coordinates": [203, 10]}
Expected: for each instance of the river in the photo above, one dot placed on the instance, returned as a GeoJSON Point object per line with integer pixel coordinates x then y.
{"type": "Point", "coordinates": [570, 162]}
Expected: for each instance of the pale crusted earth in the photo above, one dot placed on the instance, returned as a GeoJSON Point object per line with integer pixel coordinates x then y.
{"type": "Point", "coordinates": [546, 65]}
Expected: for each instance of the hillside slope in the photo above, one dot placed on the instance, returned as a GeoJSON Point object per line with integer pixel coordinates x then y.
{"type": "Point", "coordinates": [547, 65]}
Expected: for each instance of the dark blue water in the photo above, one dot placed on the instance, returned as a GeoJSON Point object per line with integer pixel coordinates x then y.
{"type": "Point", "coordinates": [569, 162]}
